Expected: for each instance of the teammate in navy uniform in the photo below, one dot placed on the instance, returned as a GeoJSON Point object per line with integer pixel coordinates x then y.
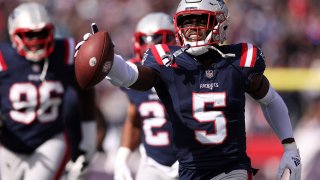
{"type": "Point", "coordinates": [202, 84]}
{"type": "Point", "coordinates": [34, 73]}
{"type": "Point", "coordinates": [147, 118]}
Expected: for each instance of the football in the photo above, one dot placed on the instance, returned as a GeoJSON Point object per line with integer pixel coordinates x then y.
{"type": "Point", "coordinates": [94, 60]}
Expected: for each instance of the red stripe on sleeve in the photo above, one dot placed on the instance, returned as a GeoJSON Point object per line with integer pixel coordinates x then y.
{"type": "Point", "coordinates": [244, 54]}
{"type": "Point", "coordinates": [254, 56]}
{"type": "Point", "coordinates": [3, 65]}
{"type": "Point", "coordinates": [66, 53]}
{"type": "Point", "coordinates": [156, 55]}
{"type": "Point", "coordinates": [165, 47]}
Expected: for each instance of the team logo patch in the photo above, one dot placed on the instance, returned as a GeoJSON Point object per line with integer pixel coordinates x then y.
{"type": "Point", "coordinates": [209, 86]}
{"type": "Point", "coordinates": [209, 74]}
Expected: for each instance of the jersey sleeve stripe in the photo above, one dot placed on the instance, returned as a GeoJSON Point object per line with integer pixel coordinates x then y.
{"type": "Point", "coordinates": [69, 51]}
{"type": "Point", "coordinates": [164, 51]}
{"type": "Point", "coordinates": [243, 54]}
{"type": "Point", "coordinates": [3, 65]}
{"type": "Point", "coordinates": [157, 50]}
{"type": "Point", "coordinates": [248, 55]}
{"type": "Point", "coordinates": [254, 56]}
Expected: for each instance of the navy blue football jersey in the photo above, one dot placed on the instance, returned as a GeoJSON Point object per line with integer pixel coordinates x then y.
{"type": "Point", "coordinates": [31, 108]}
{"type": "Point", "coordinates": [156, 126]}
{"type": "Point", "coordinates": [207, 104]}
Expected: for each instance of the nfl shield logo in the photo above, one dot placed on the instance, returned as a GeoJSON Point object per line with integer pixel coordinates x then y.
{"type": "Point", "coordinates": [209, 74]}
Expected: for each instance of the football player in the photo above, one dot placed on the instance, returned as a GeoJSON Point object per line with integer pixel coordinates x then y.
{"type": "Point", "coordinates": [202, 84]}
{"type": "Point", "coordinates": [146, 117]}
{"type": "Point", "coordinates": [35, 70]}
{"type": "Point", "coordinates": [82, 135]}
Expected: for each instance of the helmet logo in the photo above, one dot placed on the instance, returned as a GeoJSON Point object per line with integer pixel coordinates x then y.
{"type": "Point", "coordinates": [221, 3]}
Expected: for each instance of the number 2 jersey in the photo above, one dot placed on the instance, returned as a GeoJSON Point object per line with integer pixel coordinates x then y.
{"type": "Point", "coordinates": [31, 108]}
{"type": "Point", "coordinates": [156, 127]}
{"type": "Point", "coordinates": [207, 104]}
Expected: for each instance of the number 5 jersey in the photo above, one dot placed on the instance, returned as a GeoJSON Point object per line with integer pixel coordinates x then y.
{"type": "Point", "coordinates": [206, 104]}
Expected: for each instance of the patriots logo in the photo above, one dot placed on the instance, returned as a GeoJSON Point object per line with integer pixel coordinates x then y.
{"type": "Point", "coordinates": [221, 3]}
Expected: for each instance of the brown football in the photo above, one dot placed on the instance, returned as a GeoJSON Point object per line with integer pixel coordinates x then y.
{"type": "Point", "coordinates": [94, 60]}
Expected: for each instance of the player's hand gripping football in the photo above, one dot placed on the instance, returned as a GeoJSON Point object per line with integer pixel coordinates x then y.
{"type": "Point", "coordinates": [291, 160]}
{"type": "Point", "coordinates": [94, 29]}
{"type": "Point", "coordinates": [93, 58]}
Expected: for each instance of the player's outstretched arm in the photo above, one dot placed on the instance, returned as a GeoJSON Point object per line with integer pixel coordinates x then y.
{"type": "Point", "coordinates": [130, 141]}
{"type": "Point", "coordinates": [123, 73]}
{"type": "Point", "coordinates": [127, 74]}
{"type": "Point", "coordinates": [276, 113]}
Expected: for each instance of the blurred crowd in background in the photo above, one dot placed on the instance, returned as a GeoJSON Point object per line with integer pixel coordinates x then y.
{"type": "Point", "coordinates": [288, 31]}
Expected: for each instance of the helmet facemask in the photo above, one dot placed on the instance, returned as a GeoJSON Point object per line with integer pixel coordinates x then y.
{"type": "Point", "coordinates": [31, 31]}
{"type": "Point", "coordinates": [35, 44]}
{"type": "Point", "coordinates": [154, 28]}
{"type": "Point", "coordinates": [209, 16]}
{"type": "Point", "coordinates": [143, 41]}
{"type": "Point", "coordinates": [200, 29]}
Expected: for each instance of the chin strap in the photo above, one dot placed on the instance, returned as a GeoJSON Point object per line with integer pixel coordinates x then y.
{"type": "Point", "coordinates": [227, 55]}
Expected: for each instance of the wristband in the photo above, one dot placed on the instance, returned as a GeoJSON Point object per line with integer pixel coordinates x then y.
{"type": "Point", "coordinates": [287, 141]}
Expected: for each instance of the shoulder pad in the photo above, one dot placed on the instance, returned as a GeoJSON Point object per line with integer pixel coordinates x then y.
{"type": "Point", "coordinates": [69, 51]}
{"type": "Point", "coordinates": [67, 47]}
{"type": "Point", "coordinates": [248, 55]}
{"type": "Point", "coordinates": [162, 54]}
{"type": "Point", "coordinates": [160, 51]}
{"type": "Point", "coordinates": [3, 65]}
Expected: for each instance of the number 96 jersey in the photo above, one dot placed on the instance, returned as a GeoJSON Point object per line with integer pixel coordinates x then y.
{"type": "Point", "coordinates": [31, 107]}
{"type": "Point", "coordinates": [206, 104]}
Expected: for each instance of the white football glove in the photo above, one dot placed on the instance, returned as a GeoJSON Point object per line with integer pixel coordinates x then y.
{"type": "Point", "coordinates": [78, 169]}
{"type": "Point", "coordinates": [94, 29]}
{"type": "Point", "coordinates": [121, 169]}
{"type": "Point", "coordinates": [291, 160]}
{"type": "Point", "coordinates": [88, 141]}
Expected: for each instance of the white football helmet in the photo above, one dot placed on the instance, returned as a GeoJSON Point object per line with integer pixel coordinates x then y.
{"type": "Point", "coordinates": [214, 18]}
{"type": "Point", "coordinates": [154, 28]}
{"type": "Point", "coordinates": [31, 31]}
